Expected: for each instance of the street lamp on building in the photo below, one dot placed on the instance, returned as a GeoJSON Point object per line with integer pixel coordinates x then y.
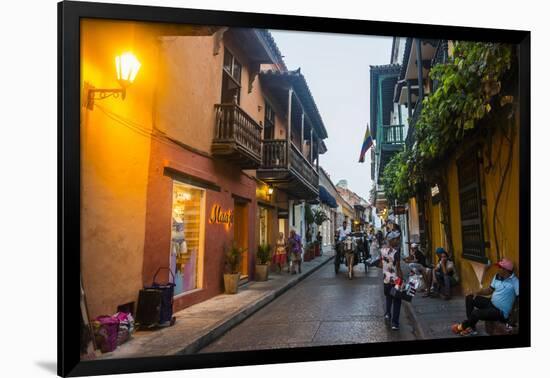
{"type": "Point", "coordinates": [127, 68]}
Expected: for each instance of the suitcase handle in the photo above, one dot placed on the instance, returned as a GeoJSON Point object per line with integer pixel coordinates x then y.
{"type": "Point", "coordinates": [157, 272]}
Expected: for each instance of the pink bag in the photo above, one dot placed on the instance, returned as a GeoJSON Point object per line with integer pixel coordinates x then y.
{"type": "Point", "coordinates": [106, 332]}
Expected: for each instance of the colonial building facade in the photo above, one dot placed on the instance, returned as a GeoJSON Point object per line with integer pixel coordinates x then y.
{"type": "Point", "coordinates": [212, 146]}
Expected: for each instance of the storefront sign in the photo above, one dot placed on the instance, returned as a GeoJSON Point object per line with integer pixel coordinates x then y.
{"type": "Point", "coordinates": [218, 216]}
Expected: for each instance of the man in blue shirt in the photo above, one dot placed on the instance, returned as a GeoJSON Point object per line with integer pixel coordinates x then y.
{"type": "Point", "coordinates": [504, 289]}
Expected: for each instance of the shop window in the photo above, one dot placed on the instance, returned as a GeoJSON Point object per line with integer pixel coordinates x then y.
{"type": "Point", "coordinates": [231, 81]}
{"type": "Point", "coordinates": [471, 215]}
{"type": "Point", "coordinates": [187, 236]}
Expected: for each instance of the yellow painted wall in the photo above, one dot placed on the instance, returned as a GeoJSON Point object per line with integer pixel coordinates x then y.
{"type": "Point", "coordinates": [114, 164]}
{"type": "Point", "coordinates": [508, 214]}
{"type": "Point", "coordinates": [434, 224]}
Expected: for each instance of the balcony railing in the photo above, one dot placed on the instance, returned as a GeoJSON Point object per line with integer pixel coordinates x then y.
{"type": "Point", "coordinates": [274, 154]}
{"type": "Point", "coordinates": [237, 135]}
{"type": "Point", "coordinates": [303, 167]}
{"type": "Point", "coordinates": [393, 134]}
{"type": "Point", "coordinates": [299, 177]}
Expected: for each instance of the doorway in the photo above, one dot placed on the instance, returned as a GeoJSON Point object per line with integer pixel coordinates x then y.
{"type": "Point", "coordinates": [240, 236]}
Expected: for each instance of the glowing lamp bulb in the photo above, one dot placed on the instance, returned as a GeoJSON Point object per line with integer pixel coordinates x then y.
{"type": "Point", "coordinates": [127, 67]}
{"type": "Point", "coordinates": [270, 191]}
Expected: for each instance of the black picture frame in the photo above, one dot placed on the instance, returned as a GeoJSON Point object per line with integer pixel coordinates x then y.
{"type": "Point", "coordinates": [69, 15]}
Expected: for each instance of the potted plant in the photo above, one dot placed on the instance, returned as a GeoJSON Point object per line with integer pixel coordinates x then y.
{"type": "Point", "coordinates": [262, 264]}
{"type": "Point", "coordinates": [319, 217]}
{"type": "Point", "coordinates": [317, 248]}
{"type": "Point", "coordinates": [309, 252]}
{"type": "Point", "coordinates": [233, 258]}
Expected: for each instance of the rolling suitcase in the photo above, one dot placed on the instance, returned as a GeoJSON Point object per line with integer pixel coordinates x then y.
{"type": "Point", "coordinates": [148, 309]}
{"type": "Point", "coordinates": [167, 297]}
{"type": "Point", "coordinates": [155, 303]}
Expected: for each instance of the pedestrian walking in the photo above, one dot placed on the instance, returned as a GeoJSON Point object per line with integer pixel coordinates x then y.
{"type": "Point", "coordinates": [391, 269]}
{"type": "Point", "coordinates": [320, 242]}
{"type": "Point", "coordinates": [295, 246]}
{"type": "Point", "coordinates": [375, 245]}
{"type": "Point", "coordinates": [280, 252]}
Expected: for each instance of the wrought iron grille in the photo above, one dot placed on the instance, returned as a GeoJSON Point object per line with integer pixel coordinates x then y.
{"type": "Point", "coordinates": [471, 214]}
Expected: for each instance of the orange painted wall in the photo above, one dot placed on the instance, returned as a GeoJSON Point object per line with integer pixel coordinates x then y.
{"type": "Point", "coordinates": [126, 198]}
{"type": "Point", "coordinates": [217, 237]}
{"type": "Point", "coordinates": [114, 164]}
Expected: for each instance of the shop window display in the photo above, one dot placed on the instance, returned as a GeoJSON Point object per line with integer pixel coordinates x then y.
{"type": "Point", "coordinates": [186, 236]}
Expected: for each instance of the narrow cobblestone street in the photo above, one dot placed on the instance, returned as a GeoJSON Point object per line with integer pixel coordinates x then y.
{"type": "Point", "coordinates": [324, 309]}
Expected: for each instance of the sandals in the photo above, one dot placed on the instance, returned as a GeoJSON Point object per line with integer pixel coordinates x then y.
{"type": "Point", "coordinates": [458, 329]}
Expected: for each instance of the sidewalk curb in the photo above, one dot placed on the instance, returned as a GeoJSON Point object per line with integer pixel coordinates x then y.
{"type": "Point", "coordinates": [418, 330]}
{"type": "Point", "coordinates": [226, 324]}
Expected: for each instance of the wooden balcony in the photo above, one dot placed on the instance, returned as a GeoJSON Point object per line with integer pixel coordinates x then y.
{"type": "Point", "coordinates": [392, 135]}
{"type": "Point", "coordinates": [237, 137]}
{"type": "Point", "coordinates": [392, 141]}
{"type": "Point", "coordinates": [296, 175]}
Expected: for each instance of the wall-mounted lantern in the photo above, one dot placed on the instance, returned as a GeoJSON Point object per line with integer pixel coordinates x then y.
{"type": "Point", "coordinates": [269, 192]}
{"type": "Point", "coordinates": [127, 67]}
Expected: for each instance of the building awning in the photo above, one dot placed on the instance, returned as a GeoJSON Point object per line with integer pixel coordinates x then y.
{"type": "Point", "coordinates": [326, 197]}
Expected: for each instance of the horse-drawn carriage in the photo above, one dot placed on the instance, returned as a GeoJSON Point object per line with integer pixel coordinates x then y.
{"type": "Point", "coordinates": [351, 251]}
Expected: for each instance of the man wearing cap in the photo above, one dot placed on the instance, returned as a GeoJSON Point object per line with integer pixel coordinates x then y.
{"type": "Point", "coordinates": [391, 269]}
{"type": "Point", "coordinates": [504, 289]}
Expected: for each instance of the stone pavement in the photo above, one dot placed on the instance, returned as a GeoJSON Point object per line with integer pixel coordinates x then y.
{"type": "Point", "coordinates": [199, 325]}
{"type": "Point", "coordinates": [433, 317]}
{"type": "Point", "coordinates": [324, 309]}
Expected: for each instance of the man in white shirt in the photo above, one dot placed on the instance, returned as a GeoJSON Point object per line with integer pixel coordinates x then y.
{"type": "Point", "coordinates": [343, 231]}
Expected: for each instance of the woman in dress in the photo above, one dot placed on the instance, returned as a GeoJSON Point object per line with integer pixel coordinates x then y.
{"type": "Point", "coordinates": [280, 252]}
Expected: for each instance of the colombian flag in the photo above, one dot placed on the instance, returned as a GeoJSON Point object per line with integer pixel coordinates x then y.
{"type": "Point", "coordinates": [367, 143]}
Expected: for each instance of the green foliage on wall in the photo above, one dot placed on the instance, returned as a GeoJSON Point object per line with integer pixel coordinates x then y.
{"type": "Point", "coordinates": [468, 90]}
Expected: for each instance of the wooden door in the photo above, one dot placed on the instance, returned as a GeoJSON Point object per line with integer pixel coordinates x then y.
{"type": "Point", "coordinates": [240, 227]}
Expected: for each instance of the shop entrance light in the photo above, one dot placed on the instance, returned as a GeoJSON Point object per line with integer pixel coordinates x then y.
{"type": "Point", "coordinates": [127, 67]}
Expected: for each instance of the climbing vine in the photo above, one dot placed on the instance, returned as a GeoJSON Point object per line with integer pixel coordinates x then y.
{"type": "Point", "coordinates": [468, 89]}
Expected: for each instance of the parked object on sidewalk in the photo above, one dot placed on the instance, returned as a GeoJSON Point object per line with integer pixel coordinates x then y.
{"type": "Point", "coordinates": [148, 309]}
{"type": "Point", "coordinates": [125, 327]}
{"type": "Point", "coordinates": [167, 297]}
{"type": "Point", "coordinates": [106, 332]}
{"type": "Point", "coordinates": [155, 303]}
{"type": "Point", "coordinates": [262, 266]}
{"type": "Point", "coordinates": [233, 258]}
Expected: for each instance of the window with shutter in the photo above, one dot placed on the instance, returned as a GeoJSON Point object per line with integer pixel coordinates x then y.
{"type": "Point", "coordinates": [471, 214]}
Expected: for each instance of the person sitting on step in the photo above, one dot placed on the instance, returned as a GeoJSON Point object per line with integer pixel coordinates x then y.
{"type": "Point", "coordinates": [442, 276]}
{"type": "Point", "coordinates": [504, 289]}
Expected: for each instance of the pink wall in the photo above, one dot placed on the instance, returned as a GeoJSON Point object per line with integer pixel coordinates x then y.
{"type": "Point", "coordinates": [159, 213]}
